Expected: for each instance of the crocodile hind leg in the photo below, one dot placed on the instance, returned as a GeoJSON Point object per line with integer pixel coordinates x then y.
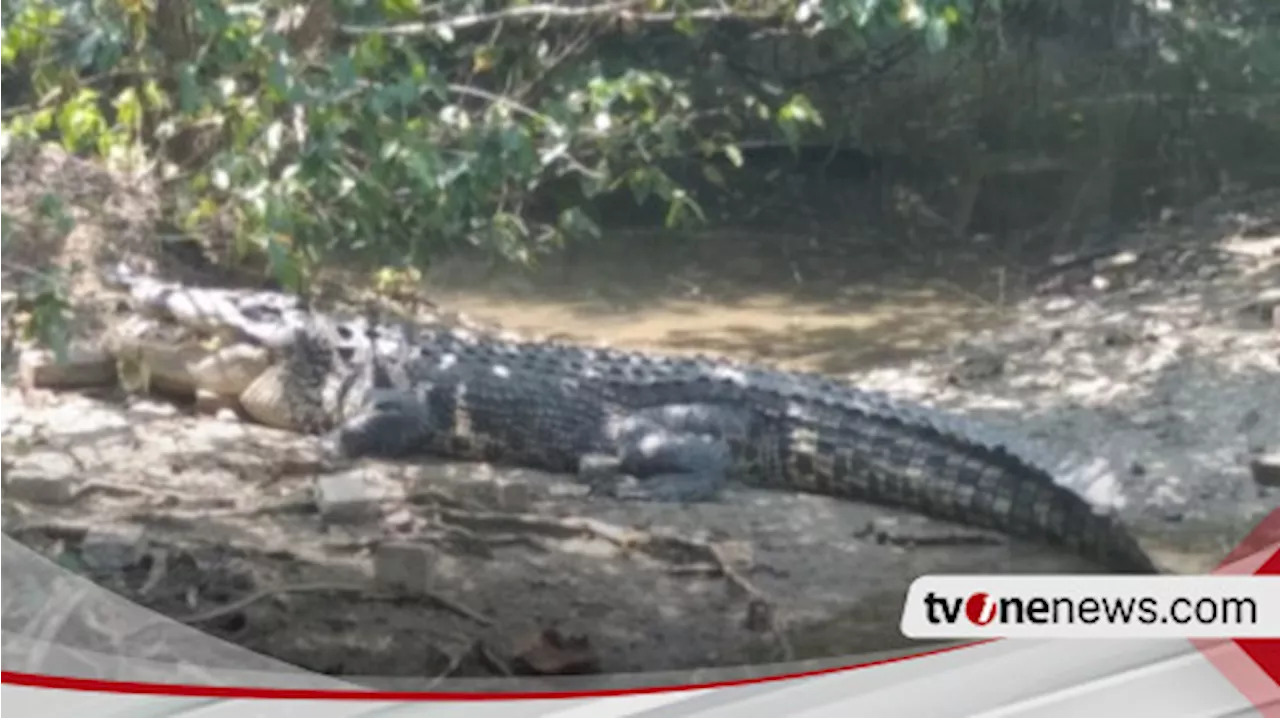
{"type": "Point", "coordinates": [676, 452]}
{"type": "Point", "coordinates": [660, 467]}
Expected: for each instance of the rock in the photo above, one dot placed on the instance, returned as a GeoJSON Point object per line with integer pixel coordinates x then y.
{"type": "Point", "coordinates": [1265, 307]}
{"type": "Point", "coordinates": [552, 653]}
{"type": "Point", "coordinates": [11, 513]}
{"type": "Point", "coordinates": [112, 548]}
{"type": "Point", "coordinates": [478, 485]}
{"type": "Point", "coordinates": [977, 364]}
{"type": "Point", "coordinates": [1207, 271]}
{"type": "Point", "coordinates": [1266, 469]}
{"type": "Point", "coordinates": [403, 565]}
{"type": "Point", "coordinates": [502, 494]}
{"type": "Point", "coordinates": [347, 498]}
{"type": "Point", "coordinates": [152, 409]}
{"type": "Point", "coordinates": [46, 477]}
{"type": "Point", "coordinates": [1120, 336]}
{"type": "Point", "coordinates": [1125, 258]}
{"type": "Point", "coordinates": [1256, 248]}
{"type": "Point", "coordinates": [402, 520]}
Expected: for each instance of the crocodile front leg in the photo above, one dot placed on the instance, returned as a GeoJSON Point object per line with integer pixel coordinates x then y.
{"type": "Point", "coordinates": [389, 427]}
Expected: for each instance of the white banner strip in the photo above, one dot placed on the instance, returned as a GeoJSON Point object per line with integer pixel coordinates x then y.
{"type": "Point", "coordinates": [1059, 606]}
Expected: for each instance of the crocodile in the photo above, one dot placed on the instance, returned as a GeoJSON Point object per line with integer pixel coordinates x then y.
{"type": "Point", "coordinates": [271, 319]}
{"type": "Point", "coordinates": [679, 426]}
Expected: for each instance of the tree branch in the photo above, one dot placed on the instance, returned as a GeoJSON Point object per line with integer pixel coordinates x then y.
{"type": "Point", "coordinates": [622, 10]}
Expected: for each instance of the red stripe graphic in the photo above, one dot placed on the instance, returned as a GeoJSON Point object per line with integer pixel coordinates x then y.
{"type": "Point", "coordinates": [194, 691]}
{"type": "Point", "coordinates": [1252, 665]}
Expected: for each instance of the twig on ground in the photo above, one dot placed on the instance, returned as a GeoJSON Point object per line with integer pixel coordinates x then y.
{"type": "Point", "coordinates": [159, 568]}
{"type": "Point", "coordinates": [454, 662]}
{"type": "Point", "coordinates": [246, 601]}
{"type": "Point", "coordinates": [761, 609]}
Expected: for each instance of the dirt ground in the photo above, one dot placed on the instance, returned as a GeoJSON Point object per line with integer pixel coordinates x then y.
{"type": "Point", "coordinates": [1152, 370]}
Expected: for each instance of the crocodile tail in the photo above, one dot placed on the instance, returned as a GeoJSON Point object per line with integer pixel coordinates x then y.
{"type": "Point", "coordinates": [1023, 498]}
{"type": "Point", "coordinates": [1066, 519]}
{"type": "Point", "coordinates": [882, 456]}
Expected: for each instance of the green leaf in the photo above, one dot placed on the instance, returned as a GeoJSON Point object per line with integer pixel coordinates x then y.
{"type": "Point", "coordinates": [283, 265]}
{"type": "Point", "coordinates": [43, 119]}
{"type": "Point", "coordinates": [370, 53]}
{"type": "Point", "coordinates": [65, 223]}
{"type": "Point", "coordinates": [128, 108]}
{"type": "Point", "coordinates": [675, 210]}
{"type": "Point", "coordinates": [680, 204]}
{"type": "Point", "coordinates": [156, 98]}
{"type": "Point", "coordinates": [795, 115]}
{"type": "Point", "coordinates": [48, 315]}
{"type": "Point", "coordinates": [344, 73]}
{"type": "Point", "coordinates": [279, 81]}
{"type": "Point", "coordinates": [87, 49]}
{"type": "Point", "coordinates": [422, 167]}
{"type": "Point", "coordinates": [274, 136]}
{"type": "Point", "coordinates": [189, 95]}
{"type": "Point", "coordinates": [577, 222]}
{"type": "Point", "coordinates": [713, 176]}
{"type": "Point", "coordinates": [734, 154]}
{"type": "Point", "coordinates": [864, 10]}
{"type": "Point", "coordinates": [212, 16]}
{"type": "Point", "coordinates": [641, 183]}
{"type": "Point", "coordinates": [935, 34]}
{"type": "Point", "coordinates": [49, 205]}
{"type": "Point", "coordinates": [402, 9]}
{"type": "Point", "coordinates": [79, 120]}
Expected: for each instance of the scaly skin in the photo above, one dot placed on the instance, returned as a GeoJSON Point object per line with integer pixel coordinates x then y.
{"type": "Point", "coordinates": [780, 429]}
{"type": "Point", "coordinates": [682, 437]}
